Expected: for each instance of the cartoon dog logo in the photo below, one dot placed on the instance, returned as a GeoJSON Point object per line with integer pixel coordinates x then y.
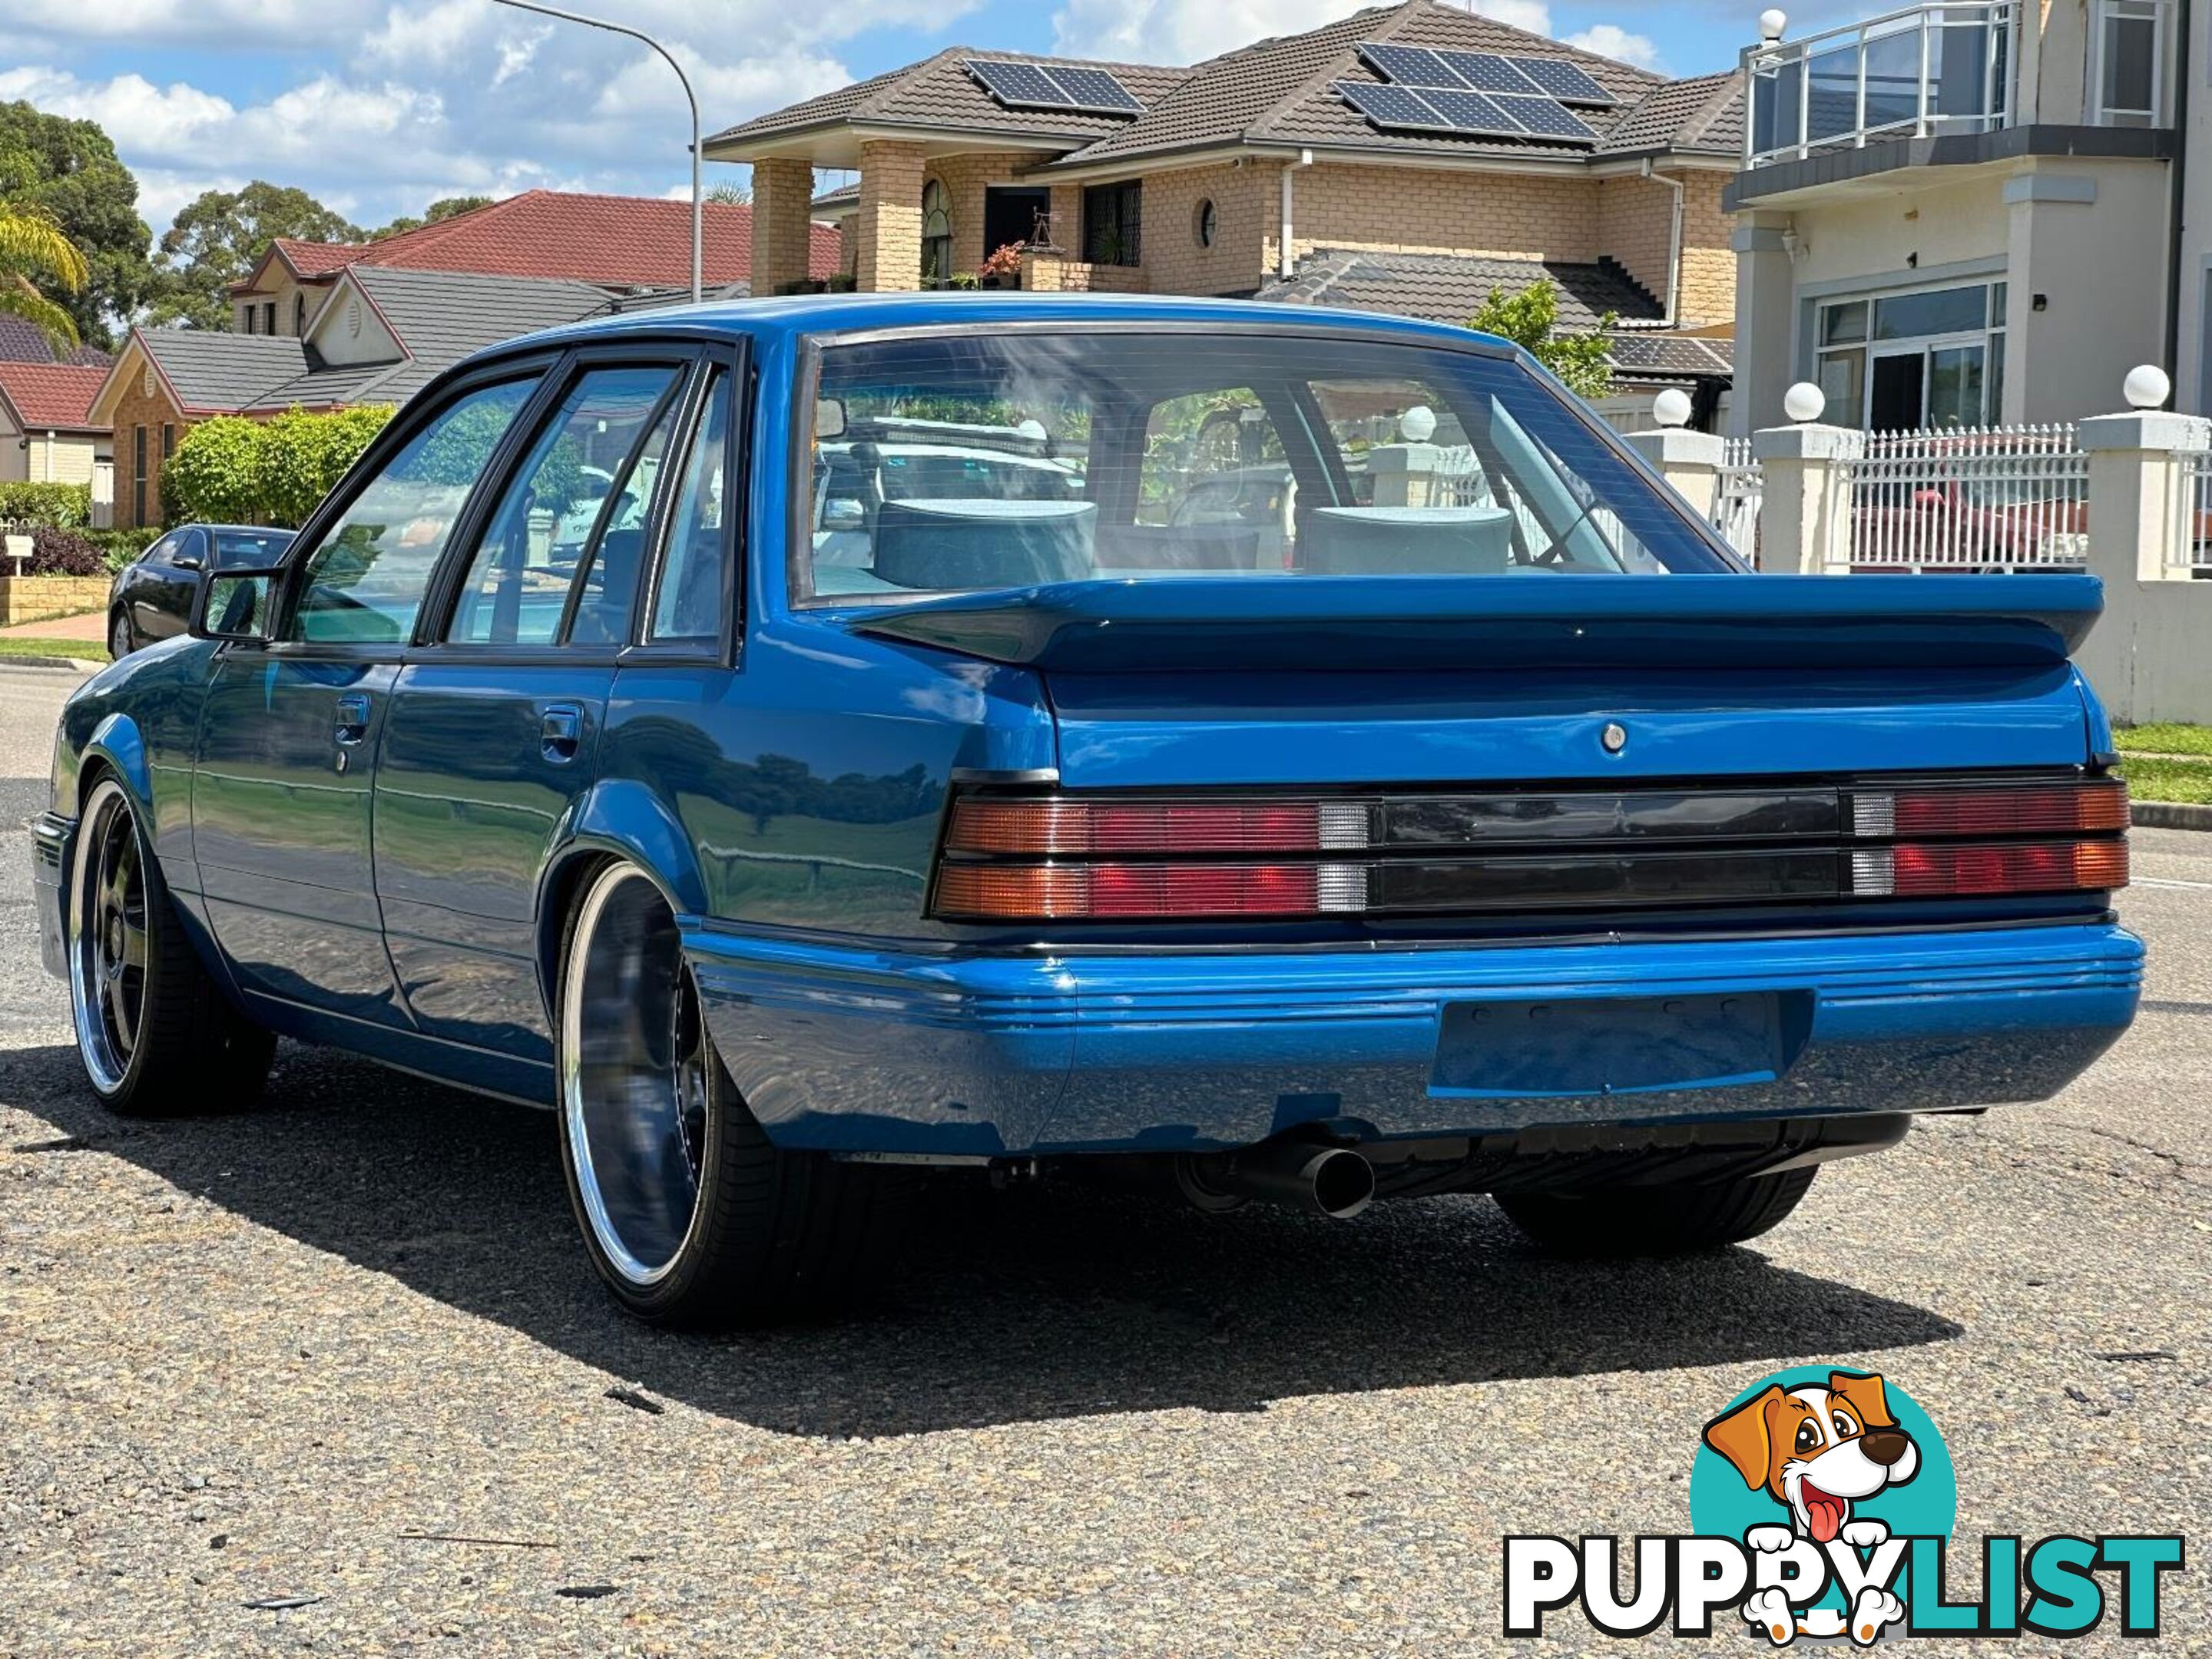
{"type": "Point", "coordinates": [1816, 1451]}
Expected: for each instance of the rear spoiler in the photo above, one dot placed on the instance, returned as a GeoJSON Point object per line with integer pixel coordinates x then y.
{"type": "Point", "coordinates": [1710, 622]}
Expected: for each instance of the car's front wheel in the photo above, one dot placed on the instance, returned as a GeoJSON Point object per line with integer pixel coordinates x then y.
{"type": "Point", "coordinates": [153, 1030]}
{"type": "Point", "coordinates": [120, 644]}
{"type": "Point", "coordinates": [1672, 1218]}
{"type": "Point", "coordinates": [688, 1211]}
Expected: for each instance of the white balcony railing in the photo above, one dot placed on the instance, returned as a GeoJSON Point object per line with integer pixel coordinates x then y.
{"type": "Point", "coordinates": [1921, 73]}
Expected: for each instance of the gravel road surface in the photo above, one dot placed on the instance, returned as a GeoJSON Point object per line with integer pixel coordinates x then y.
{"type": "Point", "coordinates": [346, 1347]}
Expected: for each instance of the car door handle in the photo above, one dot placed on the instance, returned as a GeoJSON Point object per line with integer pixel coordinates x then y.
{"type": "Point", "coordinates": [561, 732]}
{"type": "Point", "coordinates": [351, 714]}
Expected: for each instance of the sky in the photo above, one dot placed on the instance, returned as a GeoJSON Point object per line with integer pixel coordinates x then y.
{"type": "Point", "coordinates": [378, 108]}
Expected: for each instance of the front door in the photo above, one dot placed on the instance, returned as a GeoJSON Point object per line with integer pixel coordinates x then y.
{"type": "Point", "coordinates": [288, 735]}
{"type": "Point", "coordinates": [494, 730]}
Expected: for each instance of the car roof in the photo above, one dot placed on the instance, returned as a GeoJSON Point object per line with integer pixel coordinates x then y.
{"type": "Point", "coordinates": [797, 315]}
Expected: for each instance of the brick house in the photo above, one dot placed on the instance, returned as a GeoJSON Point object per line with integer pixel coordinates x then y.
{"type": "Point", "coordinates": [623, 243]}
{"type": "Point", "coordinates": [379, 336]}
{"type": "Point", "coordinates": [47, 434]}
{"type": "Point", "coordinates": [1294, 169]}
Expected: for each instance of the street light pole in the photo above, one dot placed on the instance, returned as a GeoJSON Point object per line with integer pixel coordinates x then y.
{"type": "Point", "coordinates": [689, 96]}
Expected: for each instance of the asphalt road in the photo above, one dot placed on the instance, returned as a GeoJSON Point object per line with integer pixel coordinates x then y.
{"type": "Point", "coordinates": [253, 1356]}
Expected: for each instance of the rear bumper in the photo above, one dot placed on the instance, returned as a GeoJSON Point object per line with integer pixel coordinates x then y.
{"type": "Point", "coordinates": [892, 1051]}
{"type": "Point", "coordinates": [51, 834]}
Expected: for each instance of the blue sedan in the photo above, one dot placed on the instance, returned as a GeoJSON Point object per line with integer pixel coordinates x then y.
{"type": "Point", "coordinates": [800, 741]}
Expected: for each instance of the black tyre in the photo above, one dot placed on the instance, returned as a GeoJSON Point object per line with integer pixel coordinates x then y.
{"type": "Point", "coordinates": [688, 1211]}
{"type": "Point", "coordinates": [119, 642]}
{"type": "Point", "coordinates": [154, 1030]}
{"type": "Point", "coordinates": [1664, 1220]}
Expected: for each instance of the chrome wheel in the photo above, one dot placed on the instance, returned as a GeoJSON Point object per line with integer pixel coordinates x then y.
{"type": "Point", "coordinates": [636, 1076]}
{"type": "Point", "coordinates": [108, 938]}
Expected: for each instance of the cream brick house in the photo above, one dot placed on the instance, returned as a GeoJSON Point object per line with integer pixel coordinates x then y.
{"type": "Point", "coordinates": [1294, 169]}
{"type": "Point", "coordinates": [1965, 212]}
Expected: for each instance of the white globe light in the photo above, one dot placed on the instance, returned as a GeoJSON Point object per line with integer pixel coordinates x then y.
{"type": "Point", "coordinates": [1804, 402]}
{"type": "Point", "coordinates": [1417, 424]}
{"type": "Point", "coordinates": [1771, 25]}
{"type": "Point", "coordinates": [1671, 407]}
{"type": "Point", "coordinates": [2147, 387]}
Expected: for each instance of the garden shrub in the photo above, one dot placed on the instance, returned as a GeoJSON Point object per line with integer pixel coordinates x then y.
{"type": "Point", "coordinates": [64, 505]}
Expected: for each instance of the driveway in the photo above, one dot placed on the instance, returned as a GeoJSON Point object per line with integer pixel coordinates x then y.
{"type": "Point", "coordinates": [346, 1347]}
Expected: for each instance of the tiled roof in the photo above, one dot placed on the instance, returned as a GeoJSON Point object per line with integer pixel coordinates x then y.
{"type": "Point", "coordinates": [440, 317]}
{"type": "Point", "coordinates": [1280, 90]}
{"type": "Point", "coordinates": [50, 396]}
{"type": "Point", "coordinates": [617, 242]}
{"type": "Point", "coordinates": [20, 343]}
{"type": "Point", "coordinates": [1704, 113]}
{"type": "Point", "coordinates": [939, 92]}
{"type": "Point", "coordinates": [1441, 289]}
{"type": "Point", "coordinates": [220, 371]}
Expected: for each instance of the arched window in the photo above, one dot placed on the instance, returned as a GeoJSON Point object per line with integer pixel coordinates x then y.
{"type": "Point", "coordinates": [936, 234]}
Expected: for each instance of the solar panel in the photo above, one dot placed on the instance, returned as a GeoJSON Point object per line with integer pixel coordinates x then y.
{"type": "Point", "coordinates": [1393, 106]}
{"type": "Point", "coordinates": [1096, 89]}
{"type": "Point", "coordinates": [1470, 111]}
{"type": "Point", "coordinates": [1562, 80]}
{"type": "Point", "coordinates": [1544, 118]}
{"type": "Point", "coordinates": [1018, 86]}
{"type": "Point", "coordinates": [1409, 66]}
{"type": "Point", "coordinates": [1486, 71]}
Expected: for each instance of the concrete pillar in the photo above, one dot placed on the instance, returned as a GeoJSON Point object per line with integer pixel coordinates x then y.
{"type": "Point", "coordinates": [1690, 461]}
{"type": "Point", "coordinates": [2139, 527]}
{"type": "Point", "coordinates": [890, 217]}
{"type": "Point", "coordinates": [1804, 520]}
{"type": "Point", "coordinates": [1402, 473]}
{"type": "Point", "coordinates": [783, 189]}
{"type": "Point", "coordinates": [1765, 323]}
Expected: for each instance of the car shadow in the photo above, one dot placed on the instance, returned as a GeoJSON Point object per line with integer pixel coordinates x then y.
{"type": "Point", "coordinates": [1037, 1303]}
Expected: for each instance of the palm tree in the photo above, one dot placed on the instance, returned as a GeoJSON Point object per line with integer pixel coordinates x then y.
{"type": "Point", "coordinates": [31, 243]}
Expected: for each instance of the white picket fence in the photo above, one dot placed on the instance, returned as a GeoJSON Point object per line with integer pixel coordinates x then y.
{"type": "Point", "coordinates": [2190, 548]}
{"type": "Point", "coordinates": [1969, 498]}
{"type": "Point", "coordinates": [1738, 490]}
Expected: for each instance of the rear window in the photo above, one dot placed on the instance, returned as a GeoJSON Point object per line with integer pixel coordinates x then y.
{"type": "Point", "coordinates": [249, 550]}
{"type": "Point", "coordinates": [969, 462]}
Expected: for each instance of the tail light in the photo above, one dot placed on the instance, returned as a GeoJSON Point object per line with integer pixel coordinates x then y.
{"type": "Point", "coordinates": [1035, 858]}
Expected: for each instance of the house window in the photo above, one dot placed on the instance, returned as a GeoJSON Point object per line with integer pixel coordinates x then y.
{"type": "Point", "coordinates": [1205, 222]}
{"type": "Point", "coordinates": [1898, 362]}
{"type": "Point", "coordinates": [138, 476]}
{"type": "Point", "coordinates": [936, 234]}
{"type": "Point", "coordinates": [269, 318]}
{"type": "Point", "coordinates": [2130, 63]}
{"type": "Point", "coordinates": [1113, 222]}
{"type": "Point", "coordinates": [169, 440]}
{"type": "Point", "coordinates": [298, 316]}
{"type": "Point", "coordinates": [246, 319]}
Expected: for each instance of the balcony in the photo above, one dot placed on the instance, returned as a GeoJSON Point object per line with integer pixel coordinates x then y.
{"type": "Point", "coordinates": [1928, 72]}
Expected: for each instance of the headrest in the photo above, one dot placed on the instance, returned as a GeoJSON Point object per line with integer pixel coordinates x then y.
{"type": "Point", "coordinates": [1376, 541]}
{"type": "Point", "coordinates": [951, 545]}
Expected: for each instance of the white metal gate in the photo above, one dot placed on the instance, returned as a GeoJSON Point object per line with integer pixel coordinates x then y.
{"type": "Point", "coordinates": [1968, 498]}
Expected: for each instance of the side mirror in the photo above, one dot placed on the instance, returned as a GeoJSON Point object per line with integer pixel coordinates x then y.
{"type": "Point", "coordinates": [185, 562]}
{"type": "Point", "coordinates": [233, 604]}
{"type": "Point", "coordinates": [843, 513]}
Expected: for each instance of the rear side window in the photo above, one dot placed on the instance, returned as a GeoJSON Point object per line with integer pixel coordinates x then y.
{"type": "Point", "coordinates": [691, 598]}
{"type": "Point", "coordinates": [573, 517]}
{"type": "Point", "coordinates": [364, 583]}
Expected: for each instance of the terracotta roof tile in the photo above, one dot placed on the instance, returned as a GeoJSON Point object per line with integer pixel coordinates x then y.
{"type": "Point", "coordinates": [50, 396]}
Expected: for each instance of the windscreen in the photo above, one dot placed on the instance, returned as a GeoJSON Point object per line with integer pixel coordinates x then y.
{"type": "Point", "coordinates": [963, 463]}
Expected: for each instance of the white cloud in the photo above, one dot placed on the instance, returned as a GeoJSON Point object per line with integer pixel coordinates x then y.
{"type": "Point", "coordinates": [1610, 41]}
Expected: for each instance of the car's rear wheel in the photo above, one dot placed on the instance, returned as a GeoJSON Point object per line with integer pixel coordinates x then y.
{"type": "Point", "coordinates": [1673, 1219]}
{"type": "Point", "coordinates": [688, 1211]}
{"type": "Point", "coordinates": [118, 635]}
{"type": "Point", "coordinates": [153, 1030]}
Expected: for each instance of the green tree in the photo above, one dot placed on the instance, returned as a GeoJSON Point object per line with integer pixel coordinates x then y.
{"type": "Point", "coordinates": [70, 168]}
{"type": "Point", "coordinates": [303, 456]}
{"type": "Point", "coordinates": [220, 235]}
{"type": "Point", "coordinates": [215, 475]}
{"type": "Point", "coordinates": [443, 209]}
{"type": "Point", "coordinates": [1530, 319]}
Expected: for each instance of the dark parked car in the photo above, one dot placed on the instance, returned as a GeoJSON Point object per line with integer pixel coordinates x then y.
{"type": "Point", "coordinates": [152, 596]}
{"type": "Point", "coordinates": [797, 824]}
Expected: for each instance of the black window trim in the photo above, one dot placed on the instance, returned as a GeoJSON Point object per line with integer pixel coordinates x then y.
{"type": "Point", "coordinates": [736, 496]}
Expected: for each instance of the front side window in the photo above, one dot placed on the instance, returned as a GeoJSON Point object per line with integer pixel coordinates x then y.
{"type": "Point", "coordinates": [364, 582]}
{"type": "Point", "coordinates": [971, 462]}
{"type": "Point", "coordinates": [571, 521]}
